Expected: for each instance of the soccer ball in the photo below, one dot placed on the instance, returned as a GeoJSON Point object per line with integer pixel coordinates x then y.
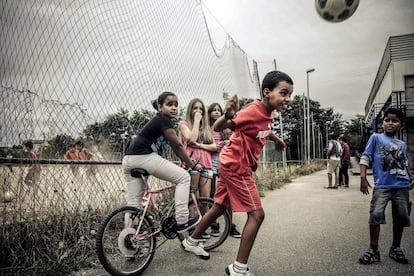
{"type": "Point", "coordinates": [336, 10]}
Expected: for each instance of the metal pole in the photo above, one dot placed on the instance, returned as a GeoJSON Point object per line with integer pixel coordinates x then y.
{"type": "Point", "coordinates": [307, 112]}
{"type": "Point", "coordinates": [305, 154]}
{"type": "Point", "coordinates": [320, 141]}
{"type": "Point", "coordinates": [313, 138]}
{"type": "Point", "coordinates": [307, 139]}
{"type": "Point", "coordinates": [319, 145]}
{"type": "Point", "coordinates": [283, 152]}
{"type": "Point", "coordinates": [327, 130]}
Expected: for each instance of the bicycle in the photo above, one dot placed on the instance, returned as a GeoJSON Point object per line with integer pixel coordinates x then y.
{"type": "Point", "coordinates": [126, 241]}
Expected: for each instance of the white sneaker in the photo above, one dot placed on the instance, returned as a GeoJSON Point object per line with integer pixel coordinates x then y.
{"type": "Point", "coordinates": [195, 249]}
{"type": "Point", "coordinates": [230, 272]}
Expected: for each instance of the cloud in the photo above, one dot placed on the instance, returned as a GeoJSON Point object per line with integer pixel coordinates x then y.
{"type": "Point", "coordinates": [346, 55]}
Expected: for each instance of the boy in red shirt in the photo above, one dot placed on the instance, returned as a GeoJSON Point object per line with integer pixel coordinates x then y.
{"type": "Point", "coordinates": [238, 160]}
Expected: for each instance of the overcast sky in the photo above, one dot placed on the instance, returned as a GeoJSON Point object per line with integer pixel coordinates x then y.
{"type": "Point", "coordinates": [346, 55]}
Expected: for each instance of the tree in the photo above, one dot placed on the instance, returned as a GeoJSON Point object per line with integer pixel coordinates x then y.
{"type": "Point", "coordinates": [117, 129]}
{"type": "Point", "coordinates": [139, 119]}
{"type": "Point", "coordinates": [324, 121]}
{"type": "Point", "coordinates": [57, 146]}
{"type": "Point", "coordinates": [245, 101]}
{"type": "Point", "coordinates": [354, 133]}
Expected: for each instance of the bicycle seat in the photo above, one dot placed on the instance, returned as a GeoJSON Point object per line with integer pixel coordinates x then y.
{"type": "Point", "coordinates": [137, 172]}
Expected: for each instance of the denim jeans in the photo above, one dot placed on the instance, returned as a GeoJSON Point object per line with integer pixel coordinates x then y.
{"type": "Point", "coordinates": [400, 206]}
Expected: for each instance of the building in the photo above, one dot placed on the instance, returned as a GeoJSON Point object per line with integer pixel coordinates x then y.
{"type": "Point", "coordinates": [394, 87]}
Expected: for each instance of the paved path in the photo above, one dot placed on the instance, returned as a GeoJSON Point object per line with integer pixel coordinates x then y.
{"type": "Point", "coordinates": [308, 230]}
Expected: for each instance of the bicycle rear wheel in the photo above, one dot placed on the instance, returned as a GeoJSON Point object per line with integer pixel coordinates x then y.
{"type": "Point", "coordinates": [223, 222]}
{"type": "Point", "coordinates": [119, 252]}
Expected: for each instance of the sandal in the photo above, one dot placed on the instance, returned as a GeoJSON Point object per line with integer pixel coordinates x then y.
{"type": "Point", "coordinates": [370, 257]}
{"type": "Point", "coordinates": [398, 255]}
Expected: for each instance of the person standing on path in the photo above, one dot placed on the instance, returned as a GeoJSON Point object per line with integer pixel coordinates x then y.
{"type": "Point", "coordinates": [392, 181]}
{"type": "Point", "coordinates": [345, 162]}
{"type": "Point", "coordinates": [198, 141]}
{"type": "Point", "coordinates": [333, 156]}
{"type": "Point", "coordinates": [236, 187]}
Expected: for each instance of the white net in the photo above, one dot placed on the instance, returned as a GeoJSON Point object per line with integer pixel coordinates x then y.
{"type": "Point", "coordinates": [67, 64]}
{"type": "Point", "coordinates": [80, 70]}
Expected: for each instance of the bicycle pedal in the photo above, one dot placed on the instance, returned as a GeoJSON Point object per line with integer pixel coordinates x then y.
{"type": "Point", "coordinates": [156, 228]}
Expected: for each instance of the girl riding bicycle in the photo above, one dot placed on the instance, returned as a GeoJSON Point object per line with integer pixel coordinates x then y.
{"type": "Point", "coordinates": [144, 152]}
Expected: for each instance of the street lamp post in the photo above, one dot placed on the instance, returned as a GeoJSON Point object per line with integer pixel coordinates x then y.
{"type": "Point", "coordinates": [307, 113]}
{"type": "Point", "coordinates": [313, 138]}
{"type": "Point", "coordinates": [303, 145]}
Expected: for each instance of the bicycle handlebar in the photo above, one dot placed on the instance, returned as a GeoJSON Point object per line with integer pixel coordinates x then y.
{"type": "Point", "coordinates": [194, 163]}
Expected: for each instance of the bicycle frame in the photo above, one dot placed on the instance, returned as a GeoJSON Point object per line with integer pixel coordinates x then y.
{"type": "Point", "coordinates": [149, 200]}
{"type": "Point", "coordinates": [127, 238]}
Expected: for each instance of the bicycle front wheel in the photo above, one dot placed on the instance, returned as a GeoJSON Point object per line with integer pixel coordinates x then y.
{"type": "Point", "coordinates": [221, 225]}
{"type": "Point", "coordinates": [120, 249]}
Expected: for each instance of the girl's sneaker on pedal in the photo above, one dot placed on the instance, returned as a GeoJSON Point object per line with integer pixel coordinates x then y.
{"type": "Point", "coordinates": [230, 271]}
{"type": "Point", "coordinates": [195, 248]}
{"type": "Point", "coordinates": [191, 223]}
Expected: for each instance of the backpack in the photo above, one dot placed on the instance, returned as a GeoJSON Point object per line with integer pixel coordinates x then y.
{"type": "Point", "coordinates": [337, 148]}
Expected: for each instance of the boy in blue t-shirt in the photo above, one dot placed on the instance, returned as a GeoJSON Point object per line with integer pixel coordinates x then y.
{"type": "Point", "coordinates": [392, 179]}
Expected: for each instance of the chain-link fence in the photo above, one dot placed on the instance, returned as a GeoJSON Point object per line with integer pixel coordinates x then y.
{"type": "Point", "coordinates": [66, 65]}
{"type": "Point", "coordinates": [88, 70]}
{"type": "Point", "coordinates": [49, 222]}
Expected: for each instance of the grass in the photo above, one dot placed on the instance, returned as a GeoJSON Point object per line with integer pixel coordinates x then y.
{"type": "Point", "coordinates": [271, 177]}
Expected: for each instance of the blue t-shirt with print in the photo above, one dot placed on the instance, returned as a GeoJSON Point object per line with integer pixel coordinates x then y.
{"type": "Point", "coordinates": [389, 161]}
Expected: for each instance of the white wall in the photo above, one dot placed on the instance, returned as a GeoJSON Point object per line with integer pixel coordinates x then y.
{"type": "Point", "coordinates": [402, 69]}
{"type": "Point", "coordinates": [394, 80]}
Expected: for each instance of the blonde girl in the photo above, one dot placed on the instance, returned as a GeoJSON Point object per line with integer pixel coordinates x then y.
{"type": "Point", "coordinates": [198, 141]}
